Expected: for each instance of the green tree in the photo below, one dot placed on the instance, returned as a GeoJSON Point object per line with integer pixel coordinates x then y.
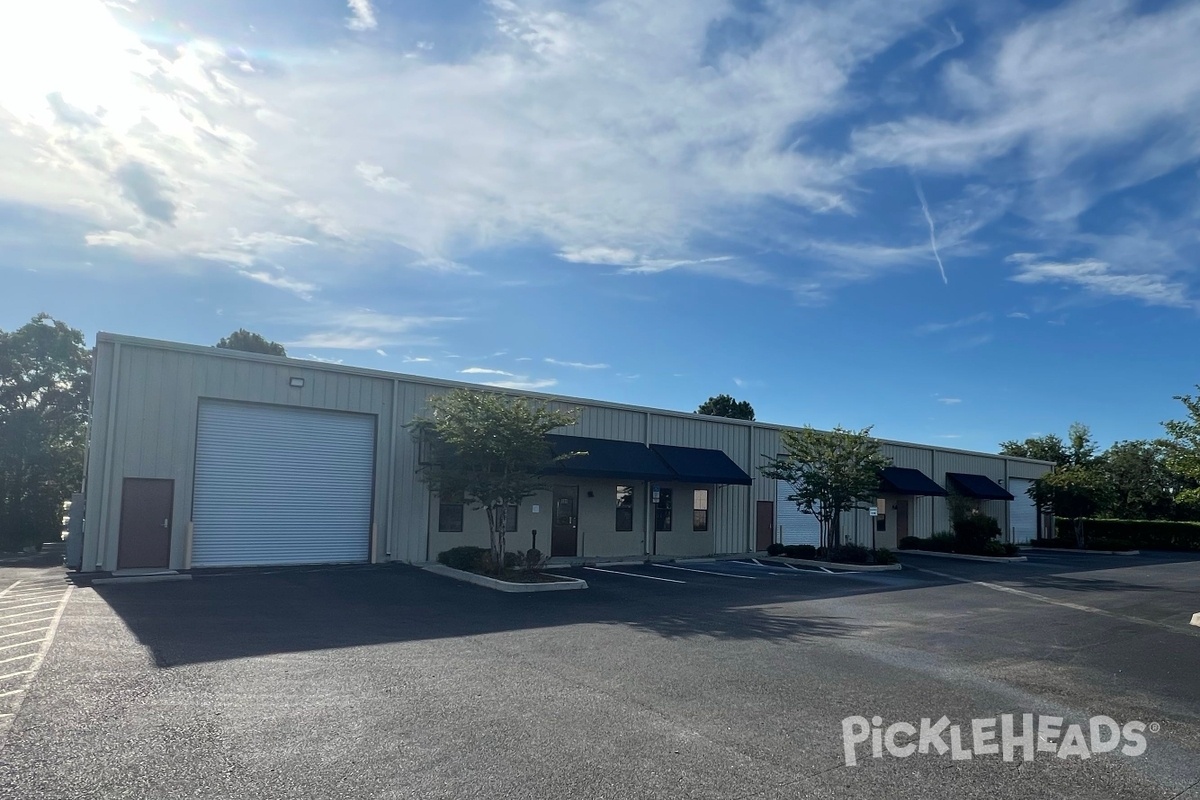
{"type": "Point", "coordinates": [489, 449]}
{"type": "Point", "coordinates": [830, 473]}
{"type": "Point", "coordinates": [1078, 449]}
{"type": "Point", "coordinates": [44, 389]}
{"type": "Point", "coordinates": [1183, 452]}
{"type": "Point", "coordinates": [1142, 485]}
{"type": "Point", "coordinates": [251, 342]}
{"type": "Point", "coordinates": [725, 406]}
{"type": "Point", "coordinates": [1073, 492]}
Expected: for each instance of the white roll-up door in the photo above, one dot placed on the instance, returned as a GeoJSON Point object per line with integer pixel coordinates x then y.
{"type": "Point", "coordinates": [1022, 513]}
{"type": "Point", "coordinates": [795, 527]}
{"type": "Point", "coordinates": [281, 485]}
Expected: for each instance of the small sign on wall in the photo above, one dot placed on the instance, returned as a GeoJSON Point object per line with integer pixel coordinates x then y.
{"type": "Point", "coordinates": [536, 509]}
{"type": "Point", "coordinates": [874, 512]}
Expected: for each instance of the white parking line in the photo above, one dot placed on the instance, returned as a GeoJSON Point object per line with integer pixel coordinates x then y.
{"type": "Point", "coordinates": [16, 674]}
{"type": "Point", "coordinates": [33, 594]}
{"type": "Point", "coordinates": [635, 575]}
{"type": "Point", "coordinates": [11, 586]}
{"type": "Point", "coordinates": [5, 609]}
{"type": "Point", "coordinates": [22, 644]}
{"type": "Point", "coordinates": [16, 658]}
{"type": "Point", "coordinates": [706, 572]}
{"type": "Point", "coordinates": [27, 621]}
{"type": "Point", "coordinates": [22, 633]}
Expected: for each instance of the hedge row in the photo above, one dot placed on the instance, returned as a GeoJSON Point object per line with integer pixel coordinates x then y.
{"type": "Point", "coordinates": [949, 543]}
{"type": "Point", "coordinates": [1136, 533]}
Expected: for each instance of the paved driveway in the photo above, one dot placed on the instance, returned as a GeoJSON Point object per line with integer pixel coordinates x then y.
{"type": "Point", "coordinates": [715, 681]}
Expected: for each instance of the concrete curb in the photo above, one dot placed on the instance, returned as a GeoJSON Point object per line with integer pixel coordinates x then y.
{"type": "Point", "coordinates": [140, 579]}
{"type": "Point", "coordinates": [1093, 552]}
{"type": "Point", "coordinates": [834, 564]}
{"type": "Point", "coordinates": [560, 585]}
{"type": "Point", "coordinates": [964, 556]}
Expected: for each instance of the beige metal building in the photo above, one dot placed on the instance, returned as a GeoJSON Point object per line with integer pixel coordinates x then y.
{"type": "Point", "coordinates": [201, 457]}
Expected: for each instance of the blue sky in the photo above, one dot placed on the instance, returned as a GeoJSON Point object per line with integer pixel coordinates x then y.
{"type": "Point", "coordinates": [960, 223]}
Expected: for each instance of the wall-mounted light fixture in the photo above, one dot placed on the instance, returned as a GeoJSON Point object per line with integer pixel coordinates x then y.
{"type": "Point", "coordinates": [296, 383]}
{"type": "Point", "coordinates": [591, 493]}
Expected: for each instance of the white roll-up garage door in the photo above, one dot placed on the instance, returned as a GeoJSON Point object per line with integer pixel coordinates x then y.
{"type": "Point", "coordinates": [280, 485]}
{"type": "Point", "coordinates": [795, 527]}
{"type": "Point", "coordinates": [1022, 513]}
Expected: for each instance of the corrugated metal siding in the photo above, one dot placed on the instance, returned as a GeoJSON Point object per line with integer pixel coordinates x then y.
{"type": "Point", "coordinates": [280, 485]}
{"type": "Point", "coordinates": [154, 435]}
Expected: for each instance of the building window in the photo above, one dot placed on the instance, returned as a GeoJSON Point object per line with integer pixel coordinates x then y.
{"type": "Point", "coordinates": [662, 510]}
{"type": "Point", "coordinates": [450, 515]}
{"type": "Point", "coordinates": [510, 520]}
{"type": "Point", "coordinates": [624, 508]}
{"type": "Point", "coordinates": [700, 510]}
{"type": "Point", "coordinates": [881, 520]}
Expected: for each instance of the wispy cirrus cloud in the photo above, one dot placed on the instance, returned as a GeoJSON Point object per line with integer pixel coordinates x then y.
{"type": "Point", "coordinates": [574, 364]}
{"type": "Point", "coordinates": [1101, 278]}
{"type": "Point", "coordinates": [484, 371]}
{"type": "Point", "coordinates": [961, 322]}
{"type": "Point", "coordinates": [366, 329]}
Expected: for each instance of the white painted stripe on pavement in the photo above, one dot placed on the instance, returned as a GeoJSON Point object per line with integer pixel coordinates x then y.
{"type": "Point", "coordinates": [16, 674]}
{"type": "Point", "coordinates": [5, 609]}
{"type": "Point", "coordinates": [1063, 603]}
{"type": "Point", "coordinates": [17, 658]}
{"type": "Point", "coordinates": [707, 572]}
{"type": "Point", "coordinates": [22, 644]}
{"type": "Point", "coordinates": [46, 618]}
{"type": "Point", "coordinates": [23, 633]}
{"type": "Point", "coordinates": [12, 586]}
{"type": "Point", "coordinates": [33, 594]}
{"type": "Point", "coordinates": [36, 663]}
{"type": "Point", "coordinates": [635, 575]}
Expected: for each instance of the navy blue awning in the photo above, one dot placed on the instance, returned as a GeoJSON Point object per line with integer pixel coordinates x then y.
{"type": "Point", "coordinates": [907, 481]}
{"type": "Point", "coordinates": [607, 458]}
{"type": "Point", "coordinates": [981, 487]}
{"type": "Point", "coordinates": [697, 465]}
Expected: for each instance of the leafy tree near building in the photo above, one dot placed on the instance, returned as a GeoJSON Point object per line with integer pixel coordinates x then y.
{"type": "Point", "coordinates": [44, 389]}
{"type": "Point", "coordinates": [830, 472]}
{"type": "Point", "coordinates": [724, 405]}
{"type": "Point", "coordinates": [1079, 449]}
{"type": "Point", "coordinates": [1183, 453]}
{"type": "Point", "coordinates": [1073, 492]}
{"type": "Point", "coordinates": [1142, 484]}
{"type": "Point", "coordinates": [488, 449]}
{"type": "Point", "coordinates": [251, 342]}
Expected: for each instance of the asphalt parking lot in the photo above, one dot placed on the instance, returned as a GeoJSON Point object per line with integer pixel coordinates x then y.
{"type": "Point", "coordinates": [697, 679]}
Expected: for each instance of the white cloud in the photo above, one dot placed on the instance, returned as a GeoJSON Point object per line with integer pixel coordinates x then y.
{"type": "Point", "coordinates": [417, 360]}
{"type": "Point", "coordinates": [484, 371]}
{"type": "Point", "coordinates": [301, 289]}
{"type": "Point", "coordinates": [950, 401]}
{"type": "Point", "coordinates": [962, 322]}
{"type": "Point", "coordinates": [1101, 278]}
{"type": "Point", "coordinates": [366, 329]}
{"type": "Point", "coordinates": [380, 351]}
{"type": "Point", "coordinates": [362, 16]}
{"type": "Point", "coordinates": [574, 364]}
{"type": "Point", "coordinates": [1017, 315]}
{"type": "Point", "coordinates": [1061, 90]}
{"type": "Point", "coordinates": [519, 139]}
{"type": "Point", "coordinates": [523, 384]}
{"type": "Point", "coordinates": [312, 357]}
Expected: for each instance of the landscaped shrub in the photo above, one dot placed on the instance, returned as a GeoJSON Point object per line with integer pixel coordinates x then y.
{"type": "Point", "coordinates": [885, 556]}
{"type": "Point", "coordinates": [775, 549]}
{"type": "Point", "coordinates": [531, 560]}
{"type": "Point", "coordinates": [1136, 533]}
{"type": "Point", "coordinates": [975, 532]}
{"type": "Point", "coordinates": [1092, 544]}
{"type": "Point", "coordinates": [465, 557]}
{"type": "Point", "coordinates": [911, 543]}
{"type": "Point", "coordinates": [850, 553]}
{"type": "Point", "coordinates": [941, 543]}
{"type": "Point", "coordinates": [800, 551]}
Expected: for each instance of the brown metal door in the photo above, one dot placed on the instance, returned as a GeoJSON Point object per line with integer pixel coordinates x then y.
{"type": "Point", "coordinates": [145, 537]}
{"type": "Point", "coordinates": [564, 522]}
{"type": "Point", "coordinates": [901, 519]}
{"type": "Point", "coordinates": [765, 533]}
